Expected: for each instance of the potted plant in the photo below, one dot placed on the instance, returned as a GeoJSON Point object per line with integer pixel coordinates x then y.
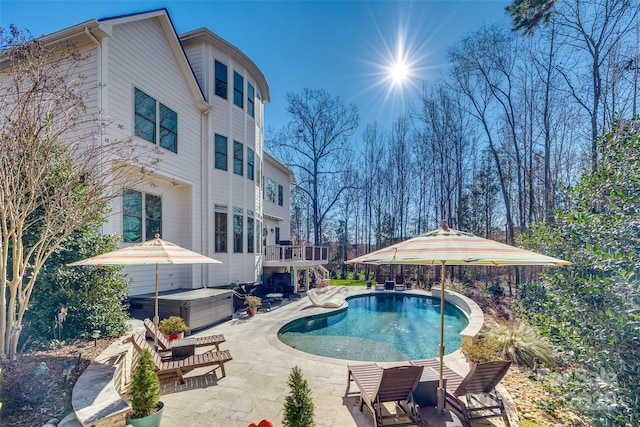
{"type": "Point", "coordinates": [146, 408]}
{"type": "Point", "coordinates": [252, 302]}
{"type": "Point", "coordinates": [173, 327]}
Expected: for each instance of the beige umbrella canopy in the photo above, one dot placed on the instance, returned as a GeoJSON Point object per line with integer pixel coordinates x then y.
{"type": "Point", "coordinates": [155, 251]}
{"type": "Point", "coordinates": [446, 246]}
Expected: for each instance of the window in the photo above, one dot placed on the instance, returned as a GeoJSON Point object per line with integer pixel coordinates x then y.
{"type": "Point", "coordinates": [153, 216]}
{"type": "Point", "coordinates": [221, 80]}
{"type": "Point", "coordinates": [145, 116]}
{"type": "Point", "coordinates": [133, 228]}
{"type": "Point", "coordinates": [221, 231]}
{"type": "Point", "coordinates": [250, 163]}
{"type": "Point", "coordinates": [221, 152]}
{"type": "Point", "coordinates": [280, 194]}
{"type": "Point", "coordinates": [271, 190]}
{"type": "Point", "coordinates": [250, 235]}
{"type": "Point", "coordinates": [237, 158]}
{"type": "Point", "coordinates": [250, 100]}
{"type": "Point", "coordinates": [168, 128]}
{"type": "Point", "coordinates": [238, 89]}
{"type": "Point", "coordinates": [237, 233]}
{"type": "Point", "coordinates": [277, 235]}
{"type": "Point", "coordinates": [145, 121]}
{"type": "Point", "coordinates": [132, 216]}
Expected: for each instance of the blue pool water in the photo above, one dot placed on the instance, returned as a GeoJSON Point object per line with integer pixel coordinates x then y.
{"type": "Point", "coordinates": [378, 327]}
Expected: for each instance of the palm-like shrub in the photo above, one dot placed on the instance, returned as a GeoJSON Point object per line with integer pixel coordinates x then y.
{"type": "Point", "coordinates": [298, 406]}
{"type": "Point", "coordinates": [520, 343]}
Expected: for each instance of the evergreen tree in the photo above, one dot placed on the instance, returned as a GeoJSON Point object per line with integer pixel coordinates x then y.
{"type": "Point", "coordinates": [298, 406]}
{"type": "Point", "coordinates": [145, 387]}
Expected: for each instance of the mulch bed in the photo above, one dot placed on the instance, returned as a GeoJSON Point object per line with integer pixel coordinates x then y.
{"type": "Point", "coordinates": [33, 388]}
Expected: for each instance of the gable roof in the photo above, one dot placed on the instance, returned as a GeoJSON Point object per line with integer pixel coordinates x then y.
{"type": "Point", "coordinates": [95, 30]}
{"type": "Point", "coordinates": [172, 36]}
{"type": "Point", "coordinates": [282, 168]}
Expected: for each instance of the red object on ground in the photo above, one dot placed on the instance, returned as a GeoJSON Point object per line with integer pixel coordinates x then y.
{"type": "Point", "coordinates": [265, 423]}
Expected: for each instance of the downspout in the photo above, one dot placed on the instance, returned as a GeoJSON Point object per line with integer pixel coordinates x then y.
{"type": "Point", "coordinates": [99, 94]}
{"type": "Point", "coordinates": [204, 191]}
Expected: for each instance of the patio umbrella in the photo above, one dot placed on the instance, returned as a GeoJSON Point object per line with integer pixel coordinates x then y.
{"type": "Point", "coordinates": [446, 246]}
{"type": "Point", "coordinates": [155, 251]}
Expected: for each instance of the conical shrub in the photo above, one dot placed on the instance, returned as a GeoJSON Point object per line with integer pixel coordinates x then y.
{"type": "Point", "coordinates": [298, 406]}
{"type": "Point", "coordinates": [145, 387]}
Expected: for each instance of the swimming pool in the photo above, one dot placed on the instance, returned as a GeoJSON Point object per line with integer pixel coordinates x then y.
{"type": "Point", "coordinates": [378, 327]}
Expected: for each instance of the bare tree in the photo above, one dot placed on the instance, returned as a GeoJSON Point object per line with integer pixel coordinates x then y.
{"type": "Point", "coordinates": [57, 170]}
{"type": "Point", "coordinates": [374, 155]}
{"type": "Point", "coordinates": [591, 31]}
{"type": "Point", "coordinates": [314, 145]}
{"type": "Point", "coordinates": [545, 62]}
{"type": "Point", "coordinates": [400, 173]}
{"type": "Point", "coordinates": [477, 79]}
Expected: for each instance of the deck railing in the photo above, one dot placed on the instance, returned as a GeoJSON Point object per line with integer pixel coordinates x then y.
{"type": "Point", "coordinates": [291, 253]}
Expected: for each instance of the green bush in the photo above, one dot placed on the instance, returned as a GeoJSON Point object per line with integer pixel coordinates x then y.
{"type": "Point", "coordinates": [298, 405]}
{"type": "Point", "coordinates": [172, 325]}
{"type": "Point", "coordinates": [485, 350]}
{"type": "Point", "coordinates": [91, 296]}
{"type": "Point", "coordinates": [591, 309]}
{"type": "Point", "coordinates": [520, 343]}
{"type": "Point", "coordinates": [495, 289]}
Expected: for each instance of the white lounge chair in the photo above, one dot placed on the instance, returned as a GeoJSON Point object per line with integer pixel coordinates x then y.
{"type": "Point", "coordinates": [333, 302]}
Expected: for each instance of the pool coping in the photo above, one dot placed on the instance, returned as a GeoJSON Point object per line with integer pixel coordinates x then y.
{"type": "Point", "coordinates": [474, 313]}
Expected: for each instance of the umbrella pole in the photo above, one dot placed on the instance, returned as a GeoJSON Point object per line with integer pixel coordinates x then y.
{"type": "Point", "coordinates": [156, 319]}
{"type": "Point", "coordinates": [441, 391]}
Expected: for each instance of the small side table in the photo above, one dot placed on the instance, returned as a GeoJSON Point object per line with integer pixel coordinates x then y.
{"type": "Point", "coordinates": [425, 393]}
{"type": "Point", "coordinates": [183, 348]}
{"type": "Point", "coordinates": [274, 297]}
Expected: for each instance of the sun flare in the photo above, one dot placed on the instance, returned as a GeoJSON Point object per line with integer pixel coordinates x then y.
{"type": "Point", "coordinates": [400, 62]}
{"type": "Point", "coordinates": [399, 72]}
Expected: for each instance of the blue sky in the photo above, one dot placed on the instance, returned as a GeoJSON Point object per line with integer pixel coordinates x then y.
{"type": "Point", "coordinates": [344, 47]}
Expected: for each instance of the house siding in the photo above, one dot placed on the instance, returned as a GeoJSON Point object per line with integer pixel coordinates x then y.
{"type": "Point", "coordinates": [142, 51]}
{"type": "Point", "coordinates": [152, 67]}
{"type": "Point", "coordinates": [226, 187]}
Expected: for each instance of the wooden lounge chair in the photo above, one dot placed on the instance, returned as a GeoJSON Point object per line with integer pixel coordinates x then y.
{"type": "Point", "coordinates": [400, 286]}
{"type": "Point", "coordinates": [477, 388]}
{"type": "Point", "coordinates": [178, 366]}
{"type": "Point", "coordinates": [380, 283]}
{"type": "Point", "coordinates": [378, 385]}
{"type": "Point", "coordinates": [165, 345]}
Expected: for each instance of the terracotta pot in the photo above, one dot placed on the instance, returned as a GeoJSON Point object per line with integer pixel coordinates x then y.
{"type": "Point", "coordinates": [251, 311]}
{"type": "Point", "coordinates": [172, 337]}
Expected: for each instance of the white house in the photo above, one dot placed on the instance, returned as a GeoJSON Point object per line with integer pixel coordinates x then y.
{"type": "Point", "coordinates": [200, 100]}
